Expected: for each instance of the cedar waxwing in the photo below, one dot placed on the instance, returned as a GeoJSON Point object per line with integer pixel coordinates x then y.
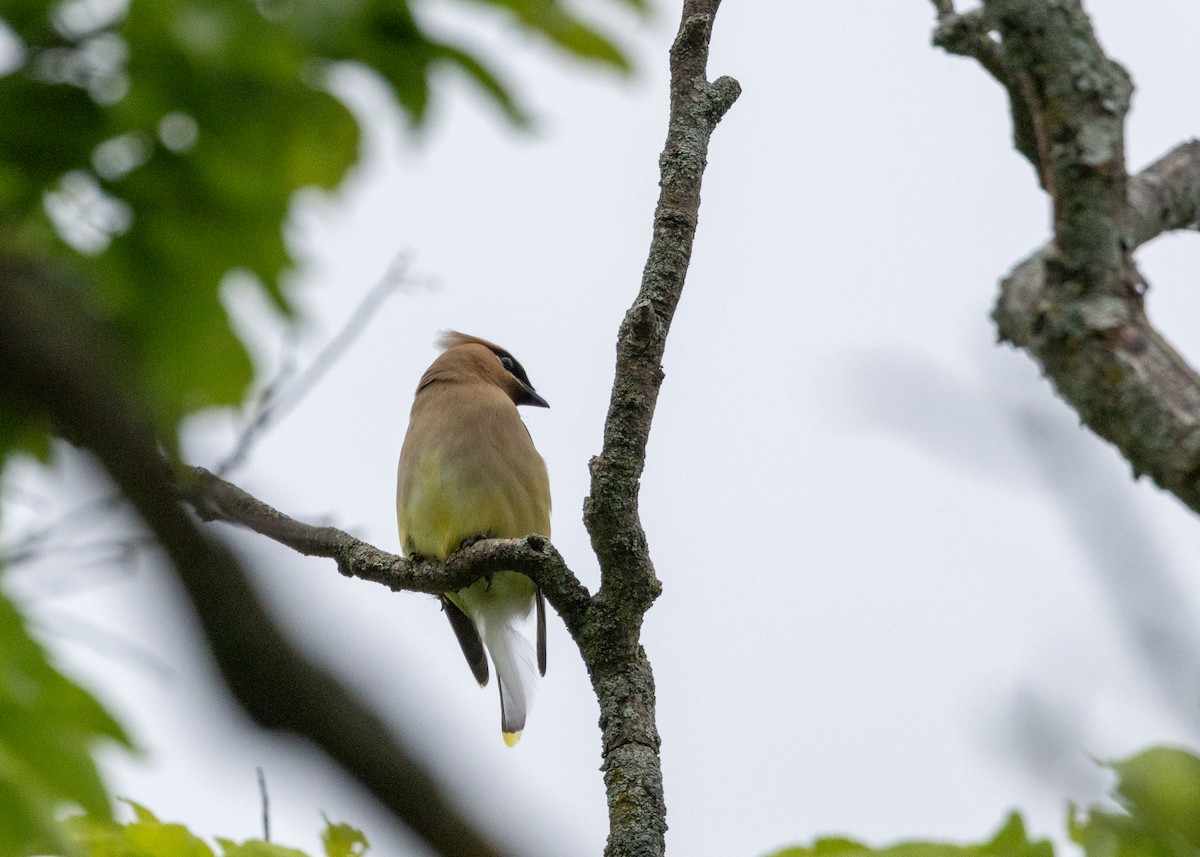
{"type": "Point", "coordinates": [468, 469]}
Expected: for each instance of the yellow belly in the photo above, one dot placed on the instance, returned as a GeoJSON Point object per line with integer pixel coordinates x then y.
{"type": "Point", "coordinates": [441, 506]}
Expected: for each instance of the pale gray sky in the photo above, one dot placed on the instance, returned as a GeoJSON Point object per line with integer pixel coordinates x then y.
{"type": "Point", "coordinates": [876, 531]}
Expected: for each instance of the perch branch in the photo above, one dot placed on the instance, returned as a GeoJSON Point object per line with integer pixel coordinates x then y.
{"type": "Point", "coordinates": [217, 500]}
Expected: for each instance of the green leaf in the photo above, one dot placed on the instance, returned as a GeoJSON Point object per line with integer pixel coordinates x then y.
{"type": "Point", "coordinates": [488, 81]}
{"type": "Point", "coordinates": [48, 728]}
{"type": "Point", "coordinates": [257, 848]}
{"type": "Point", "coordinates": [1162, 787]}
{"type": "Point", "coordinates": [342, 840]}
{"type": "Point", "coordinates": [184, 174]}
{"type": "Point", "coordinates": [146, 836]}
{"type": "Point", "coordinates": [1110, 834]}
{"type": "Point", "coordinates": [552, 21]}
{"type": "Point", "coordinates": [1010, 841]}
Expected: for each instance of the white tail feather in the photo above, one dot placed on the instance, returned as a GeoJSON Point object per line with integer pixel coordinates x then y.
{"type": "Point", "coordinates": [516, 666]}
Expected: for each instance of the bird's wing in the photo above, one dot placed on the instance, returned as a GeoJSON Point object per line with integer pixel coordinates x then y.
{"type": "Point", "coordinates": [468, 639]}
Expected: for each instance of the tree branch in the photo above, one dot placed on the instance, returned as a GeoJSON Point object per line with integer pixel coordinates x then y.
{"type": "Point", "coordinates": [217, 500]}
{"type": "Point", "coordinates": [1127, 383]}
{"type": "Point", "coordinates": [1077, 305]}
{"type": "Point", "coordinates": [1078, 98]}
{"type": "Point", "coordinates": [620, 672]}
{"type": "Point", "coordinates": [968, 35]}
{"type": "Point", "coordinates": [1165, 196]}
{"type": "Point", "coordinates": [611, 510]}
{"type": "Point", "coordinates": [605, 627]}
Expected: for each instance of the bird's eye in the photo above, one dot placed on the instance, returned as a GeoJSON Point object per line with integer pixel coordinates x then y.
{"type": "Point", "coordinates": [507, 362]}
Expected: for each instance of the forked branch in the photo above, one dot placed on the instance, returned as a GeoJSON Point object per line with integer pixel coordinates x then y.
{"type": "Point", "coordinates": [1077, 305]}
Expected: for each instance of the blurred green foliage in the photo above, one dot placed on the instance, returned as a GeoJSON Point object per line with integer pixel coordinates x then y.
{"type": "Point", "coordinates": [1010, 841]}
{"type": "Point", "coordinates": [146, 836]}
{"type": "Point", "coordinates": [1160, 793]}
{"type": "Point", "coordinates": [342, 840]}
{"type": "Point", "coordinates": [49, 727]}
{"type": "Point", "coordinates": [153, 146]}
{"type": "Point", "coordinates": [1159, 816]}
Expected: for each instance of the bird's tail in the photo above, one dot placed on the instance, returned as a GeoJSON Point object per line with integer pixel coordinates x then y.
{"type": "Point", "coordinates": [516, 669]}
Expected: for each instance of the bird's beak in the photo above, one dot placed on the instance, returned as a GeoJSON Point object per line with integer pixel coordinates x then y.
{"type": "Point", "coordinates": [532, 398]}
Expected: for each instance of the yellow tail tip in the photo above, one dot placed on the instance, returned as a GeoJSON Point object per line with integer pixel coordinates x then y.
{"type": "Point", "coordinates": [511, 738]}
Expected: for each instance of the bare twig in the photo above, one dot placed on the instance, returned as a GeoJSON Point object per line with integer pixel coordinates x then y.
{"type": "Point", "coordinates": [283, 393]}
{"type": "Point", "coordinates": [98, 551]}
{"type": "Point", "coordinates": [104, 641]}
{"type": "Point", "coordinates": [72, 523]}
{"type": "Point", "coordinates": [266, 806]}
{"type": "Point", "coordinates": [970, 35]}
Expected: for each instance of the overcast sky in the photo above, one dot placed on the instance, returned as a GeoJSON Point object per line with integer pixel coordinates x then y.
{"type": "Point", "coordinates": [903, 591]}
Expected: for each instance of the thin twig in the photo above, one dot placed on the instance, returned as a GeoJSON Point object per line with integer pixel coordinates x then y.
{"type": "Point", "coordinates": [283, 393]}
{"type": "Point", "coordinates": [104, 641]}
{"type": "Point", "coordinates": [969, 34]}
{"type": "Point", "coordinates": [81, 554]}
{"type": "Point", "coordinates": [266, 806]}
{"type": "Point", "coordinates": [33, 544]}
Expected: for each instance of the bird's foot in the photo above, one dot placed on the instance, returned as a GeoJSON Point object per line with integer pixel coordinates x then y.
{"type": "Point", "coordinates": [470, 540]}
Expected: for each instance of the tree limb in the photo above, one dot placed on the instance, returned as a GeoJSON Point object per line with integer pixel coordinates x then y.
{"type": "Point", "coordinates": [1077, 305]}
{"type": "Point", "coordinates": [217, 500]}
{"type": "Point", "coordinates": [620, 672]}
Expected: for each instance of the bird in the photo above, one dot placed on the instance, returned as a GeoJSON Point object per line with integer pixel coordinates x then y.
{"type": "Point", "coordinates": [469, 470]}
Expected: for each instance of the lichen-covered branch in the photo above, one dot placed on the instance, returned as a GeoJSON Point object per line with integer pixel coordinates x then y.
{"type": "Point", "coordinates": [1078, 99]}
{"type": "Point", "coordinates": [1165, 196]}
{"type": "Point", "coordinates": [217, 500]}
{"type": "Point", "coordinates": [611, 510]}
{"type": "Point", "coordinates": [1077, 305]}
{"type": "Point", "coordinates": [967, 34]}
{"type": "Point", "coordinates": [620, 672]}
{"type": "Point", "coordinates": [1123, 378]}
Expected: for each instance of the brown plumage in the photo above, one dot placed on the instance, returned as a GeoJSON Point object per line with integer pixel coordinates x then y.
{"type": "Point", "coordinates": [468, 468]}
